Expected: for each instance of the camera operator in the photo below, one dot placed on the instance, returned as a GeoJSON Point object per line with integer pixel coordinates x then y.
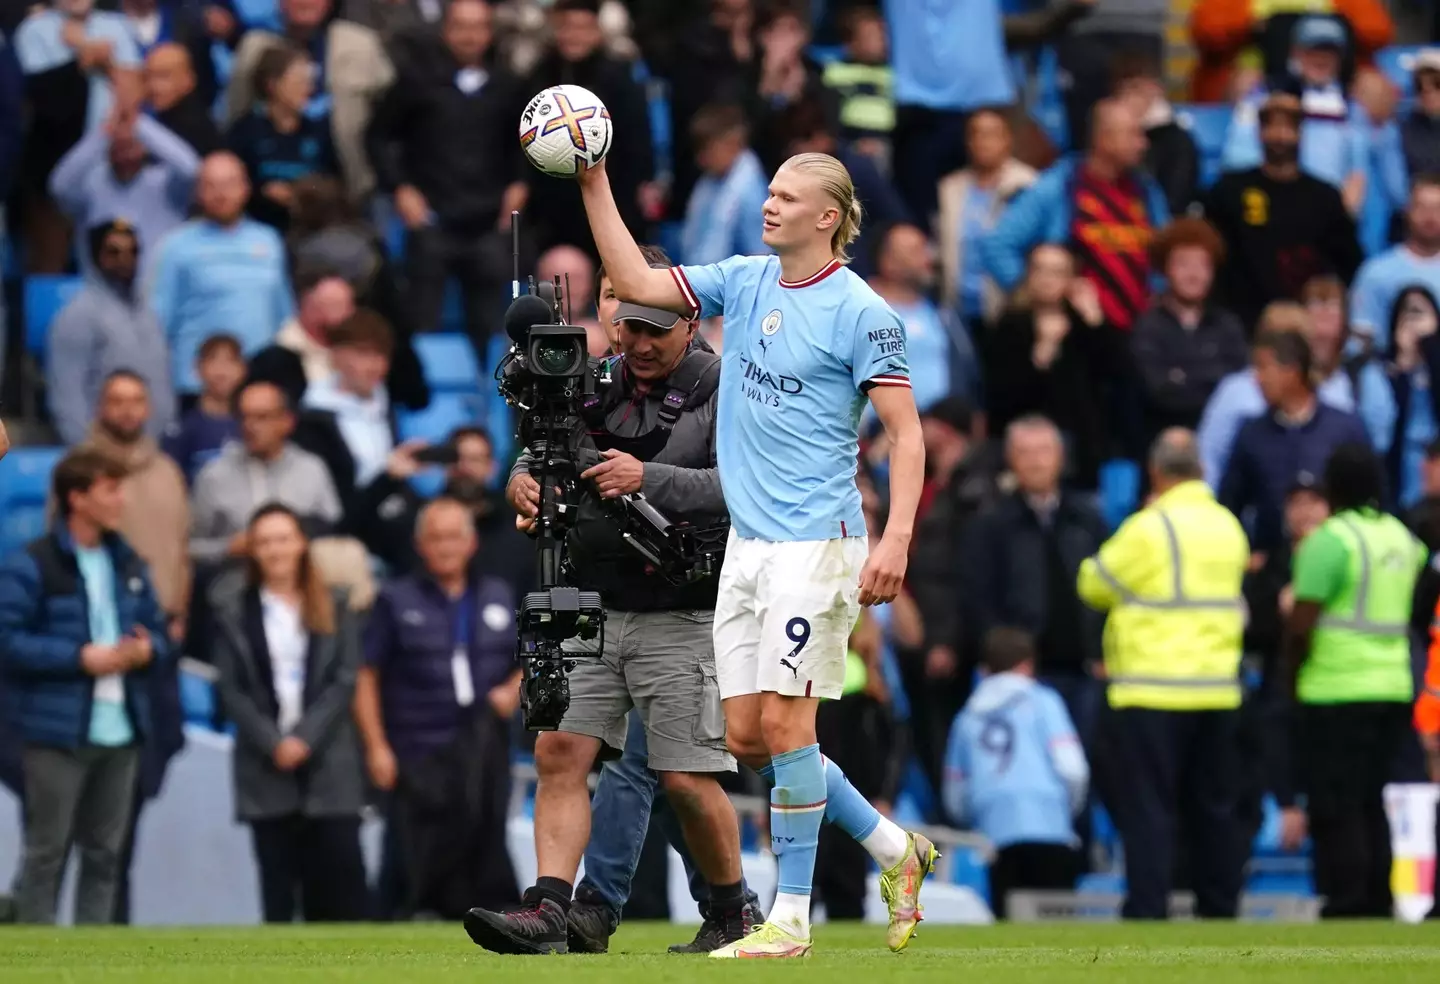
{"type": "Point", "coordinates": [654, 425]}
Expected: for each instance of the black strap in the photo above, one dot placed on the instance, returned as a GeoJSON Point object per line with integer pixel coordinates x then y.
{"type": "Point", "coordinates": [693, 382]}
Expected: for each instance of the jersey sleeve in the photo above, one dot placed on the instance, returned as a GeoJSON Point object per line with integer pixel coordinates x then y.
{"type": "Point", "coordinates": [705, 287]}
{"type": "Point", "coordinates": [1320, 566]}
{"type": "Point", "coordinates": [877, 350]}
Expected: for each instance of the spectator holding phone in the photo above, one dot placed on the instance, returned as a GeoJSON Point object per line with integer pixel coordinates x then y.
{"type": "Point", "coordinates": [80, 631]}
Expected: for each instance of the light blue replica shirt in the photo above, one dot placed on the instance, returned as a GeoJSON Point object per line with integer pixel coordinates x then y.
{"type": "Point", "coordinates": [798, 360]}
{"type": "Point", "coordinates": [1378, 285]}
{"type": "Point", "coordinates": [109, 721]}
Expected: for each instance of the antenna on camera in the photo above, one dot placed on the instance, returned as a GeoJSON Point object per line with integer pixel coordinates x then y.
{"type": "Point", "coordinates": [569, 305]}
{"type": "Point", "coordinates": [515, 254]}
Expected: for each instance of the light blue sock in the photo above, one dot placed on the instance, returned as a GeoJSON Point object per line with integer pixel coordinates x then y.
{"type": "Point", "coordinates": [845, 807]}
{"type": "Point", "coordinates": [797, 805]}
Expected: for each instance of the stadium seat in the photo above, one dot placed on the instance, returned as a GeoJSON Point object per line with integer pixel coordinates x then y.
{"type": "Point", "coordinates": [24, 488]}
{"type": "Point", "coordinates": [1398, 63]}
{"type": "Point", "coordinates": [436, 422]}
{"type": "Point", "coordinates": [448, 362]}
{"type": "Point", "coordinates": [1208, 126]}
{"type": "Point", "coordinates": [1119, 490]}
{"type": "Point", "coordinates": [45, 295]}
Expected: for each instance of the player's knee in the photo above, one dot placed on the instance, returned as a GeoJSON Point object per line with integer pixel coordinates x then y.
{"type": "Point", "coordinates": [561, 756]}
{"type": "Point", "coordinates": [782, 732]}
{"type": "Point", "coordinates": [748, 746]}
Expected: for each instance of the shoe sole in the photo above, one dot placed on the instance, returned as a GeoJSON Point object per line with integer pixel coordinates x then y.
{"type": "Point", "coordinates": [926, 867]}
{"type": "Point", "coordinates": [485, 933]}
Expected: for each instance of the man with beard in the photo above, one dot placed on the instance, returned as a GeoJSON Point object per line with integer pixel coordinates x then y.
{"type": "Point", "coordinates": [155, 522]}
{"type": "Point", "coordinates": [107, 326]}
{"type": "Point", "coordinates": [1281, 226]}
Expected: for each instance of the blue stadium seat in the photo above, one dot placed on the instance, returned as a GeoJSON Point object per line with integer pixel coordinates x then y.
{"type": "Point", "coordinates": [435, 423]}
{"type": "Point", "coordinates": [448, 362]}
{"type": "Point", "coordinates": [197, 699]}
{"type": "Point", "coordinates": [1119, 490]}
{"type": "Point", "coordinates": [1398, 62]}
{"type": "Point", "coordinates": [824, 54]}
{"type": "Point", "coordinates": [45, 295]}
{"type": "Point", "coordinates": [24, 488]}
{"type": "Point", "coordinates": [1208, 126]}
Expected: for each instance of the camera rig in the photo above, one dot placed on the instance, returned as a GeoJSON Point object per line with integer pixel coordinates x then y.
{"type": "Point", "coordinates": [547, 377]}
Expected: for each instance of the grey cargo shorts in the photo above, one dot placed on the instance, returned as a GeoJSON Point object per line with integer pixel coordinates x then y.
{"type": "Point", "coordinates": [663, 665]}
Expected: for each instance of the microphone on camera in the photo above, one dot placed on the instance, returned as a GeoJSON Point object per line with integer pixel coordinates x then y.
{"type": "Point", "coordinates": [525, 312]}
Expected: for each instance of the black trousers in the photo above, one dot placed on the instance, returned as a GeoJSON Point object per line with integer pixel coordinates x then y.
{"type": "Point", "coordinates": [855, 732]}
{"type": "Point", "coordinates": [1036, 867]}
{"type": "Point", "coordinates": [929, 144]}
{"type": "Point", "coordinates": [315, 861]}
{"type": "Point", "coordinates": [449, 814]}
{"type": "Point", "coordinates": [1175, 775]}
{"type": "Point", "coordinates": [1346, 752]}
{"type": "Point", "coordinates": [479, 261]}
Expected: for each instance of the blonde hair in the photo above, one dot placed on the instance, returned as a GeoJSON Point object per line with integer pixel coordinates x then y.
{"type": "Point", "coordinates": [835, 182]}
{"type": "Point", "coordinates": [1284, 316]}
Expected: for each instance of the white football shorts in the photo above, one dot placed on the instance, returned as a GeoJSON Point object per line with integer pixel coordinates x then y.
{"type": "Point", "coordinates": [784, 615]}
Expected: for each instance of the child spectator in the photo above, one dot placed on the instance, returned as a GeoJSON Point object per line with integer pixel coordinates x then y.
{"type": "Point", "coordinates": [278, 142]}
{"type": "Point", "coordinates": [204, 429]}
{"type": "Point", "coordinates": [864, 83]}
{"type": "Point", "coordinates": [723, 217]}
{"type": "Point", "coordinates": [1015, 771]}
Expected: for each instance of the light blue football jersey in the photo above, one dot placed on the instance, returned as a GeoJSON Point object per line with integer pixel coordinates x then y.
{"type": "Point", "coordinates": [797, 361]}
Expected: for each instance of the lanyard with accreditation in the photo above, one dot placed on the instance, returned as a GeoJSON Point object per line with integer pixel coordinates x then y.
{"type": "Point", "coordinates": [460, 654]}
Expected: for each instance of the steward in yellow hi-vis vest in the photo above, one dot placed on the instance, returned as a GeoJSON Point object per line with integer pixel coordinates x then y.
{"type": "Point", "coordinates": [1170, 580]}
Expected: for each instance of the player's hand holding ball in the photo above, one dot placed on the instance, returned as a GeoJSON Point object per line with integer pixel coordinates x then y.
{"type": "Point", "coordinates": [565, 131]}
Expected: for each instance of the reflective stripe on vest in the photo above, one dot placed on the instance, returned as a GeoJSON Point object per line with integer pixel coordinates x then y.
{"type": "Point", "coordinates": [1358, 622]}
{"type": "Point", "coordinates": [1178, 601]}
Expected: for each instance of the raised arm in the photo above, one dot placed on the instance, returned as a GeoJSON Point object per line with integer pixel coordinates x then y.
{"type": "Point", "coordinates": [632, 278]}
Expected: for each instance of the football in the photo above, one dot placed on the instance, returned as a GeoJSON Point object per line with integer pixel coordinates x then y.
{"type": "Point", "coordinates": [564, 128]}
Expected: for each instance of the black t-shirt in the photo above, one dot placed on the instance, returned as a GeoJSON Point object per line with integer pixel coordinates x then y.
{"type": "Point", "coordinates": [1277, 236]}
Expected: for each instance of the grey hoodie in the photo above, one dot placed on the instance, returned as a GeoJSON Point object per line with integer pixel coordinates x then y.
{"type": "Point", "coordinates": [231, 487]}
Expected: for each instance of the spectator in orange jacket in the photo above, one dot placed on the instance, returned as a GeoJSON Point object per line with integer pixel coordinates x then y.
{"type": "Point", "coordinates": [1252, 37]}
{"type": "Point", "coordinates": [1427, 706]}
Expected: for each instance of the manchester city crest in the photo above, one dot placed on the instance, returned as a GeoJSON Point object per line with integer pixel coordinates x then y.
{"type": "Point", "coordinates": [771, 324]}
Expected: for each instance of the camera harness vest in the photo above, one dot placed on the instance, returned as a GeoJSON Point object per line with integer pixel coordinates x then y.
{"type": "Point", "coordinates": [693, 382]}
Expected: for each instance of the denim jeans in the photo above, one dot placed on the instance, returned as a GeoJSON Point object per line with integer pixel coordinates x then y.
{"type": "Point", "coordinates": [620, 818]}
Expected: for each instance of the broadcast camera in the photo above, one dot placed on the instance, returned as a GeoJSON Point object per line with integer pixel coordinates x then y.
{"type": "Point", "coordinates": [549, 379]}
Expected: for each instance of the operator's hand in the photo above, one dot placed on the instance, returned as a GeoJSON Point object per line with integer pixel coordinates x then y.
{"type": "Point", "coordinates": [884, 572]}
{"type": "Point", "coordinates": [618, 474]}
{"type": "Point", "coordinates": [523, 494]}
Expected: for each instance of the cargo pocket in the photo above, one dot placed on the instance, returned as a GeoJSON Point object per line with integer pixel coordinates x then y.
{"type": "Point", "coordinates": [710, 720]}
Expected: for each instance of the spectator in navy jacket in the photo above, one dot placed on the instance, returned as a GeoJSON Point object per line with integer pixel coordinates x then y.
{"type": "Point", "coordinates": [436, 728]}
{"type": "Point", "coordinates": [81, 632]}
{"type": "Point", "coordinates": [1294, 438]}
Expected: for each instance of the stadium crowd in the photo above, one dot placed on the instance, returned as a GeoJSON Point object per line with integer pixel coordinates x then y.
{"type": "Point", "coordinates": [247, 242]}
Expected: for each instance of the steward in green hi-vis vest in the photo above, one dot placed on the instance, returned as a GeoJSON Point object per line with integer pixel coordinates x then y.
{"type": "Point", "coordinates": [1360, 566]}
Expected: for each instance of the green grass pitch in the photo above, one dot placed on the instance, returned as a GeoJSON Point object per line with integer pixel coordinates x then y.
{"type": "Point", "coordinates": [1208, 953]}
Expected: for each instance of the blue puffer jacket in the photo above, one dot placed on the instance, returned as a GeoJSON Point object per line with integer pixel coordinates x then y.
{"type": "Point", "coordinates": [44, 623]}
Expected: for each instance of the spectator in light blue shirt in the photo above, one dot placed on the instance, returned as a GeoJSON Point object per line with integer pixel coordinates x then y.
{"type": "Point", "coordinates": [949, 58]}
{"type": "Point", "coordinates": [96, 42]}
{"type": "Point", "coordinates": [1334, 137]}
{"type": "Point", "coordinates": [219, 274]}
{"type": "Point", "coordinates": [723, 217]}
{"type": "Point", "coordinates": [1415, 261]}
{"type": "Point", "coordinates": [1015, 772]}
{"type": "Point", "coordinates": [133, 169]}
{"type": "Point", "coordinates": [942, 357]}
